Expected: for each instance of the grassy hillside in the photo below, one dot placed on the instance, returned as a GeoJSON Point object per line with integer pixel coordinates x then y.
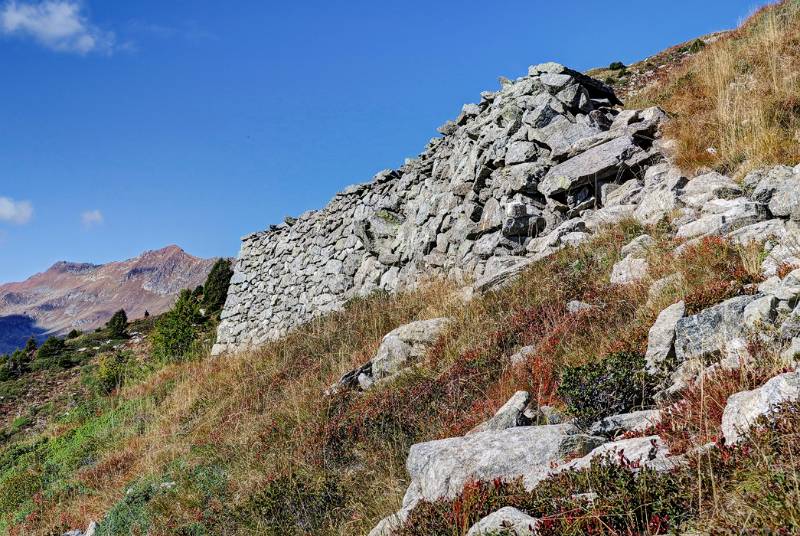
{"type": "Point", "coordinates": [250, 445]}
{"type": "Point", "coordinates": [181, 443]}
{"type": "Point", "coordinates": [742, 92]}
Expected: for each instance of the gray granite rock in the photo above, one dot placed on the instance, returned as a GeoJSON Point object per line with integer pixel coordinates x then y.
{"type": "Point", "coordinates": [629, 270]}
{"type": "Point", "coordinates": [661, 337]}
{"type": "Point", "coordinates": [743, 409]}
{"type": "Point", "coordinates": [637, 421]}
{"type": "Point", "coordinates": [507, 521]}
{"type": "Point", "coordinates": [641, 452]}
{"type": "Point", "coordinates": [511, 414]}
{"type": "Point", "coordinates": [707, 333]}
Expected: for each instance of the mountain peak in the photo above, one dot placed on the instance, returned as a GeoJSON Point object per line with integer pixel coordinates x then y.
{"type": "Point", "coordinates": [84, 295]}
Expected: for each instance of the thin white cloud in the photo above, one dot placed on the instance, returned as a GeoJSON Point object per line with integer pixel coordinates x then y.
{"type": "Point", "coordinates": [90, 218]}
{"type": "Point", "coordinates": [18, 212]}
{"type": "Point", "coordinates": [56, 24]}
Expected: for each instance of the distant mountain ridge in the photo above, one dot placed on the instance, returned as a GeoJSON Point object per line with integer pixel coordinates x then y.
{"type": "Point", "coordinates": [83, 296]}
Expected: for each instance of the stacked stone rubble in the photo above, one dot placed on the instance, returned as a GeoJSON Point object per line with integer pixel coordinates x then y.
{"type": "Point", "coordinates": [504, 176]}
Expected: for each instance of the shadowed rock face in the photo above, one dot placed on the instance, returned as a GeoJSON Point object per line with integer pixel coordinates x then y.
{"type": "Point", "coordinates": [15, 330]}
{"type": "Point", "coordinates": [84, 296]}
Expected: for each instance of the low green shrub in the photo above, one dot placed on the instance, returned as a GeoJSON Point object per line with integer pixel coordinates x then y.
{"type": "Point", "coordinates": [615, 384]}
{"type": "Point", "coordinates": [112, 370]}
{"type": "Point", "coordinates": [130, 515]}
{"type": "Point", "coordinates": [175, 333]}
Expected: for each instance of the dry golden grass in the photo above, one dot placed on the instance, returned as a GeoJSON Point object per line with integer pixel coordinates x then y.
{"type": "Point", "coordinates": [262, 417]}
{"type": "Point", "coordinates": [735, 106]}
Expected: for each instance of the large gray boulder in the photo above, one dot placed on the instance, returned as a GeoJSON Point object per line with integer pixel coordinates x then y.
{"type": "Point", "coordinates": [760, 232]}
{"type": "Point", "coordinates": [764, 183]}
{"type": "Point", "coordinates": [723, 216]}
{"type": "Point", "coordinates": [778, 187]}
{"type": "Point", "coordinates": [760, 312]}
{"type": "Point", "coordinates": [629, 270]}
{"type": "Point", "coordinates": [708, 186]}
{"type": "Point", "coordinates": [406, 344]}
{"type": "Point", "coordinates": [661, 337]}
{"type": "Point", "coordinates": [786, 251]}
{"type": "Point", "coordinates": [743, 409]}
{"type": "Point", "coordinates": [495, 280]}
{"type": "Point", "coordinates": [440, 469]}
{"type": "Point", "coordinates": [399, 349]}
{"type": "Point", "coordinates": [706, 334]}
{"type": "Point", "coordinates": [661, 195]}
{"type": "Point", "coordinates": [507, 521]}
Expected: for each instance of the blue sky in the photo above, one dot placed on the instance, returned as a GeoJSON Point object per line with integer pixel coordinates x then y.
{"type": "Point", "coordinates": [128, 126]}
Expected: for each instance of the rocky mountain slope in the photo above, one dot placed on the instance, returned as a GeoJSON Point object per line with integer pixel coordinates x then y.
{"type": "Point", "coordinates": [541, 326]}
{"type": "Point", "coordinates": [512, 178]}
{"type": "Point", "coordinates": [84, 296]}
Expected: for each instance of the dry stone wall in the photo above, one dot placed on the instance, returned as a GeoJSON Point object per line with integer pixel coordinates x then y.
{"type": "Point", "coordinates": [509, 178]}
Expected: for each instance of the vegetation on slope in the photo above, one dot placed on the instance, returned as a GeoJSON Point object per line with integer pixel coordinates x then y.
{"type": "Point", "coordinates": [250, 444]}
{"type": "Point", "coordinates": [171, 441]}
{"type": "Point", "coordinates": [742, 92]}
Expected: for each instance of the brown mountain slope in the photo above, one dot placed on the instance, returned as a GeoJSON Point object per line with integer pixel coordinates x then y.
{"type": "Point", "coordinates": [84, 296]}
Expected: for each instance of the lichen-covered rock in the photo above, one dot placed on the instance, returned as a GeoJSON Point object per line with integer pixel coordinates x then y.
{"type": "Point", "coordinates": [507, 521]}
{"type": "Point", "coordinates": [707, 333]}
{"type": "Point", "coordinates": [743, 409]}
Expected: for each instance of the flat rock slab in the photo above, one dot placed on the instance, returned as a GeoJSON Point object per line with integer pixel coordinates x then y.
{"type": "Point", "coordinates": [441, 469]}
{"type": "Point", "coordinates": [595, 164]}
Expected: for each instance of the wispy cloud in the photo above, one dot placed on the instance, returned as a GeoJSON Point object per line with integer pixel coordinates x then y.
{"type": "Point", "coordinates": [91, 218]}
{"type": "Point", "coordinates": [18, 212]}
{"type": "Point", "coordinates": [188, 30]}
{"type": "Point", "coordinates": [59, 25]}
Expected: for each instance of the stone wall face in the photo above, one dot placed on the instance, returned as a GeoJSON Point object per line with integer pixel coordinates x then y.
{"type": "Point", "coordinates": [508, 179]}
